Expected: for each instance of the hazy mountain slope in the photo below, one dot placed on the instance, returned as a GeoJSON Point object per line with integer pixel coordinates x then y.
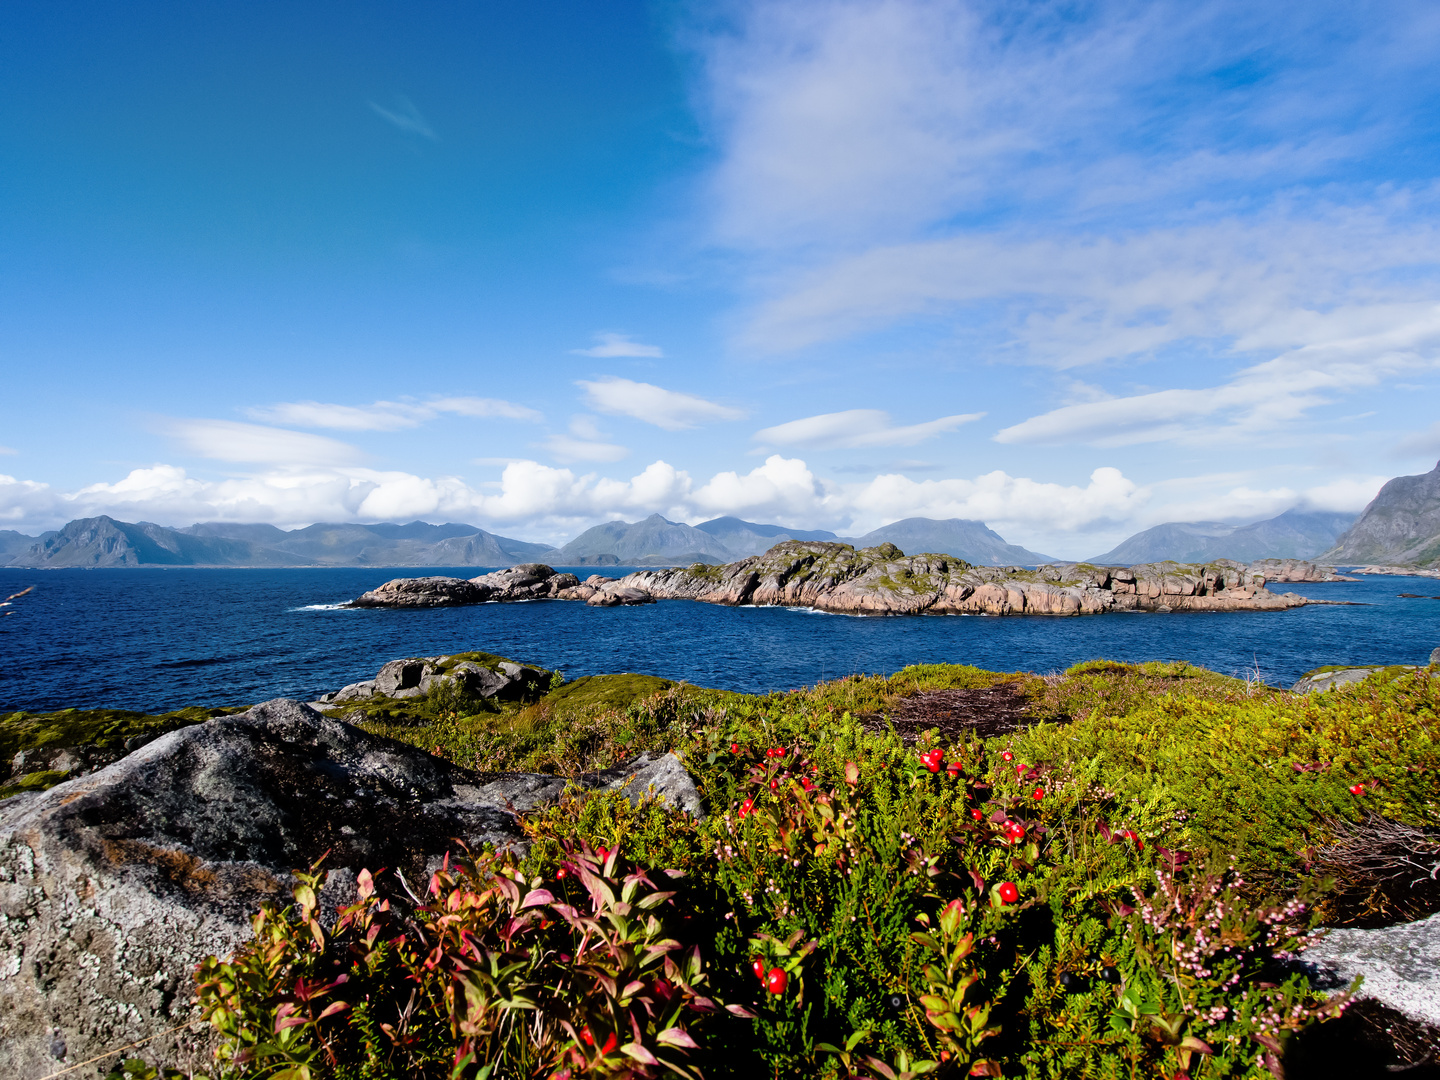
{"type": "Point", "coordinates": [1400, 527]}
{"type": "Point", "coordinates": [633, 543]}
{"type": "Point", "coordinates": [103, 541]}
{"type": "Point", "coordinates": [1295, 534]}
{"type": "Point", "coordinates": [972, 541]}
{"type": "Point", "coordinates": [13, 543]}
{"type": "Point", "coordinates": [742, 538]}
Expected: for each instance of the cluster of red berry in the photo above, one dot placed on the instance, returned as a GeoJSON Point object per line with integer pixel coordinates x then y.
{"type": "Point", "coordinates": [775, 979]}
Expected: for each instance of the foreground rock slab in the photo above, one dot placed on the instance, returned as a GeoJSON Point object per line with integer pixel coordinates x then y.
{"type": "Point", "coordinates": [1401, 965]}
{"type": "Point", "coordinates": [113, 886]}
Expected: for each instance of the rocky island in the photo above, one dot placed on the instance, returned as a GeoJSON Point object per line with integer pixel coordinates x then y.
{"type": "Point", "coordinates": [882, 580]}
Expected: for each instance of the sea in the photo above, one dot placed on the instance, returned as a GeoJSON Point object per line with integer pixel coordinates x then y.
{"type": "Point", "coordinates": [153, 640]}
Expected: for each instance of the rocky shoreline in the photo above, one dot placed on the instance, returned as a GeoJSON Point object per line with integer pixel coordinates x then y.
{"type": "Point", "coordinates": [883, 580]}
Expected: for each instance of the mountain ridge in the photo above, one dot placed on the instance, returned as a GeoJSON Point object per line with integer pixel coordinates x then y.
{"type": "Point", "coordinates": [1295, 534]}
{"type": "Point", "coordinates": [1400, 527]}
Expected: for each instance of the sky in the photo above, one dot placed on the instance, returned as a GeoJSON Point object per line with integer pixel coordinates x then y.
{"type": "Point", "coordinates": [1072, 269]}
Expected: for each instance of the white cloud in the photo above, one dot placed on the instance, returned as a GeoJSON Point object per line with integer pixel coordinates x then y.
{"type": "Point", "coordinates": [1354, 351]}
{"type": "Point", "coordinates": [405, 116]}
{"type": "Point", "coordinates": [668, 409]}
{"type": "Point", "coordinates": [611, 345]}
{"type": "Point", "coordinates": [227, 440]}
{"type": "Point", "coordinates": [386, 415]}
{"type": "Point", "coordinates": [567, 448]}
{"type": "Point", "coordinates": [585, 442]}
{"type": "Point", "coordinates": [857, 428]}
{"type": "Point", "coordinates": [8, 450]}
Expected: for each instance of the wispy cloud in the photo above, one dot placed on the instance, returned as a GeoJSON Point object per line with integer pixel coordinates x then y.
{"type": "Point", "coordinates": [585, 442]}
{"type": "Point", "coordinates": [612, 345]}
{"type": "Point", "coordinates": [227, 440]}
{"type": "Point", "coordinates": [857, 428]}
{"type": "Point", "coordinates": [386, 415]}
{"type": "Point", "coordinates": [405, 116]}
{"type": "Point", "coordinates": [8, 450]}
{"type": "Point", "coordinates": [668, 409]}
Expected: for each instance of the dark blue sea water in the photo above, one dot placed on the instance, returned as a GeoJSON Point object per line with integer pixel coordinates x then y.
{"type": "Point", "coordinates": [159, 639]}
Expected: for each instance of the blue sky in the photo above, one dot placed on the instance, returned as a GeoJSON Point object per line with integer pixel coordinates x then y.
{"type": "Point", "coordinates": [1072, 269]}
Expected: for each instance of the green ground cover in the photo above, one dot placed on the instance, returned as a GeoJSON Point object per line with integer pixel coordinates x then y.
{"type": "Point", "coordinates": [1103, 894]}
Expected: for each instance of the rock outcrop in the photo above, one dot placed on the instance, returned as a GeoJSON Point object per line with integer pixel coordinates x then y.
{"type": "Point", "coordinates": [527, 581]}
{"type": "Point", "coordinates": [113, 886]}
{"type": "Point", "coordinates": [1295, 570]}
{"type": "Point", "coordinates": [883, 580]}
{"type": "Point", "coordinates": [418, 676]}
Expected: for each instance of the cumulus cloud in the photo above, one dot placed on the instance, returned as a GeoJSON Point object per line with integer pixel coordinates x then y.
{"type": "Point", "coordinates": [611, 344]}
{"type": "Point", "coordinates": [532, 498]}
{"type": "Point", "coordinates": [668, 409]}
{"type": "Point", "coordinates": [228, 440]}
{"type": "Point", "coordinates": [857, 428]}
{"type": "Point", "coordinates": [386, 415]}
{"type": "Point", "coordinates": [405, 116]}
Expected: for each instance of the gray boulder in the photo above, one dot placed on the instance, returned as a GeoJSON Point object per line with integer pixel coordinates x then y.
{"type": "Point", "coordinates": [1319, 681]}
{"type": "Point", "coordinates": [617, 596]}
{"type": "Point", "coordinates": [423, 592]}
{"type": "Point", "coordinates": [1401, 965]}
{"type": "Point", "coordinates": [1435, 656]}
{"type": "Point", "coordinates": [113, 886]}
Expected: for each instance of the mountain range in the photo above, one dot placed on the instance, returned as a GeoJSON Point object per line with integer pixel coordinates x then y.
{"type": "Point", "coordinates": [655, 541]}
{"type": "Point", "coordinates": [1295, 534]}
{"type": "Point", "coordinates": [1401, 526]}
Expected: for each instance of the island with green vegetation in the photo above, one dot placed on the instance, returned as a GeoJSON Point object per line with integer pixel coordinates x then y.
{"type": "Point", "coordinates": [882, 580]}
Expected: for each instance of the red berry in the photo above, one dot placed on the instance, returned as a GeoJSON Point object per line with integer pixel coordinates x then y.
{"type": "Point", "coordinates": [747, 806]}
{"type": "Point", "coordinates": [1039, 794]}
{"type": "Point", "coordinates": [774, 785]}
{"type": "Point", "coordinates": [562, 873]}
{"type": "Point", "coordinates": [1009, 894]}
{"type": "Point", "coordinates": [976, 814]}
{"type": "Point", "coordinates": [1357, 789]}
{"type": "Point", "coordinates": [587, 1036]}
{"type": "Point", "coordinates": [807, 784]}
{"type": "Point", "coordinates": [776, 981]}
{"type": "Point", "coordinates": [734, 748]}
{"type": "Point", "coordinates": [953, 769]}
{"type": "Point", "coordinates": [758, 966]}
{"type": "Point", "coordinates": [1007, 756]}
{"type": "Point", "coordinates": [1020, 770]}
{"type": "Point", "coordinates": [1134, 838]}
{"type": "Point", "coordinates": [602, 851]}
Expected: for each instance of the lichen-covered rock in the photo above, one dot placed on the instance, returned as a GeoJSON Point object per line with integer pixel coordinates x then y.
{"type": "Point", "coordinates": [1400, 964]}
{"type": "Point", "coordinates": [1320, 680]}
{"type": "Point", "coordinates": [113, 886]}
